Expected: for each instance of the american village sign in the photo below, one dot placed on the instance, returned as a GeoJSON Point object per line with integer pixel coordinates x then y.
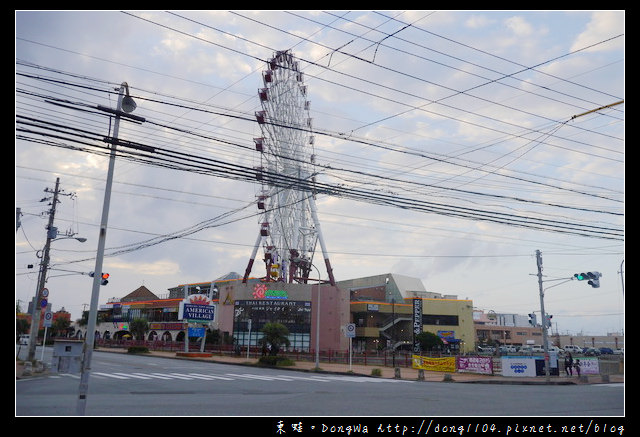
{"type": "Point", "coordinates": [197, 308]}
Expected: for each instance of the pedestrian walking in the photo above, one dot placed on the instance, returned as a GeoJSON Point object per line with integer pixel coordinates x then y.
{"type": "Point", "coordinates": [577, 366]}
{"type": "Point", "coordinates": [568, 364]}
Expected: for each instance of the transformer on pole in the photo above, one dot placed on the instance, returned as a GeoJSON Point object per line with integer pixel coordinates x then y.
{"type": "Point", "coordinates": [289, 229]}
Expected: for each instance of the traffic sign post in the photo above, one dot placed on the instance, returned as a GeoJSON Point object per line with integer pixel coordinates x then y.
{"type": "Point", "coordinates": [350, 333]}
{"type": "Point", "coordinates": [48, 318]}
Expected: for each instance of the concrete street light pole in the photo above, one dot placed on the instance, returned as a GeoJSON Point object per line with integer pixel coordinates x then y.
{"type": "Point", "coordinates": [125, 105]}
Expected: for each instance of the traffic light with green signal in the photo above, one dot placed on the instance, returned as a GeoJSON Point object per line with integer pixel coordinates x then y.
{"type": "Point", "coordinates": [593, 278]}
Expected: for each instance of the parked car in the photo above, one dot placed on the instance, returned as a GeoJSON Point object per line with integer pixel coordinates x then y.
{"type": "Point", "coordinates": [537, 348]}
{"type": "Point", "coordinates": [606, 351]}
{"type": "Point", "coordinates": [526, 349]}
{"type": "Point", "coordinates": [619, 351]}
{"type": "Point", "coordinates": [573, 349]}
{"type": "Point", "coordinates": [556, 349]}
{"type": "Point", "coordinates": [24, 339]}
{"type": "Point", "coordinates": [590, 351]}
{"type": "Point", "coordinates": [508, 349]}
{"type": "Point", "coordinates": [489, 349]}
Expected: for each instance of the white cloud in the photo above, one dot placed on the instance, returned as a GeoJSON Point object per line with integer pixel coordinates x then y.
{"type": "Point", "coordinates": [519, 26]}
{"type": "Point", "coordinates": [602, 26]}
{"type": "Point", "coordinates": [478, 21]}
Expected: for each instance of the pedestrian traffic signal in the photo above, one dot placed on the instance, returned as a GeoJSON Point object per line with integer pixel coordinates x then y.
{"type": "Point", "coordinates": [593, 278]}
{"type": "Point", "coordinates": [549, 317]}
{"type": "Point", "coordinates": [103, 279]}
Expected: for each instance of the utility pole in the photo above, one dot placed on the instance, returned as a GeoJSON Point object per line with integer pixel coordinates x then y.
{"type": "Point", "coordinates": [42, 277]}
{"type": "Point", "coordinates": [544, 319]}
{"type": "Point", "coordinates": [622, 278]}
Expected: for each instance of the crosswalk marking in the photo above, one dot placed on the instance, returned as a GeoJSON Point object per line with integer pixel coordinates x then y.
{"type": "Point", "coordinates": [110, 375]}
{"type": "Point", "coordinates": [133, 375]}
{"type": "Point", "coordinates": [173, 375]}
{"type": "Point", "coordinates": [224, 378]}
{"type": "Point", "coordinates": [309, 378]}
{"type": "Point", "coordinates": [152, 376]}
{"type": "Point", "coordinates": [229, 377]}
{"type": "Point", "coordinates": [266, 378]}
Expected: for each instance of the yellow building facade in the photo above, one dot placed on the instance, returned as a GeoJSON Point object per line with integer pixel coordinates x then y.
{"type": "Point", "coordinates": [382, 308]}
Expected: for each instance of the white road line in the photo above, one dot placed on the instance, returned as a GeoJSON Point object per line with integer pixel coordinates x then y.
{"type": "Point", "coordinates": [109, 375]}
{"type": "Point", "coordinates": [234, 376]}
{"type": "Point", "coordinates": [211, 376]}
{"type": "Point", "coordinates": [151, 375]}
{"type": "Point", "coordinates": [133, 375]}
{"type": "Point", "coordinates": [170, 376]}
{"type": "Point", "coordinates": [308, 378]}
{"type": "Point", "coordinates": [248, 376]}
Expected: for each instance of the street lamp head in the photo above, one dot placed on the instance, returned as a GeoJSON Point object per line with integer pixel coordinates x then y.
{"type": "Point", "coordinates": [128, 104]}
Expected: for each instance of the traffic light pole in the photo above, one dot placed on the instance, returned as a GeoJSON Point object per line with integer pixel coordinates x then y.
{"type": "Point", "coordinates": [544, 319]}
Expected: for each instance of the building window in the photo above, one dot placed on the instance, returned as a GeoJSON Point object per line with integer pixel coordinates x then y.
{"type": "Point", "coordinates": [439, 319]}
{"type": "Point", "coordinates": [295, 315]}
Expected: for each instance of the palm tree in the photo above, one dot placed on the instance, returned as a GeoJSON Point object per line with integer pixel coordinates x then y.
{"type": "Point", "coordinates": [139, 328]}
{"type": "Point", "coordinates": [276, 335]}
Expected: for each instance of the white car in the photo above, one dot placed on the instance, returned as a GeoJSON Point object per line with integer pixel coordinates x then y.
{"type": "Point", "coordinates": [573, 349]}
{"type": "Point", "coordinates": [619, 351]}
{"type": "Point", "coordinates": [537, 348]}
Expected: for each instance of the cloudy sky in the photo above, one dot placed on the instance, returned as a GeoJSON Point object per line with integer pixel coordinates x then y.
{"type": "Point", "coordinates": [461, 143]}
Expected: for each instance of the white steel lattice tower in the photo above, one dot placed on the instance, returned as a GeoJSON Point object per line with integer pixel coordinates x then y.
{"type": "Point", "coordinates": [289, 226]}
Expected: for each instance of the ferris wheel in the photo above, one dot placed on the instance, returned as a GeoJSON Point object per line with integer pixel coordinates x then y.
{"type": "Point", "coordinates": [289, 230]}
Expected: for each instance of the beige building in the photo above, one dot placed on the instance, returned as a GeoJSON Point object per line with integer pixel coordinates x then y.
{"type": "Point", "coordinates": [382, 310]}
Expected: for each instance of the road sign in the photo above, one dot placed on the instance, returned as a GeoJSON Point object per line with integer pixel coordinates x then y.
{"type": "Point", "coordinates": [196, 332]}
{"type": "Point", "coordinates": [48, 318]}
{"type": "Point", "coordinates": [350, 330]}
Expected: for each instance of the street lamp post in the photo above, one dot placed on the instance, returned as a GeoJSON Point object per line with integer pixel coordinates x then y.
{"type": "Point", "coordinates": [124, 107]}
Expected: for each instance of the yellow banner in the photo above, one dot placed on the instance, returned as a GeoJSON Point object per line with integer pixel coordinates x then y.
{"type": "Point", "coordinates": [447, 364]}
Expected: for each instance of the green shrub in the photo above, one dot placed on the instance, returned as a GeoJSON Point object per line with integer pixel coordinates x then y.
{"type": "Point", "coordinates": [138, 350]}
{"type": "Point", "coordinates": [376, 372]}
{"type": "Point", "coordinates": [275, 361]}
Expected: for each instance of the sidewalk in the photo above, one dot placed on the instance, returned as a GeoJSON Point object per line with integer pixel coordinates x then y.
{"type": "Point", "coordinates": [362, 370]}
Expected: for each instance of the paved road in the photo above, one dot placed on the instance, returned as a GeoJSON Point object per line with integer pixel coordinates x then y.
{"type": "Point", "coordinates": [130, 385]}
